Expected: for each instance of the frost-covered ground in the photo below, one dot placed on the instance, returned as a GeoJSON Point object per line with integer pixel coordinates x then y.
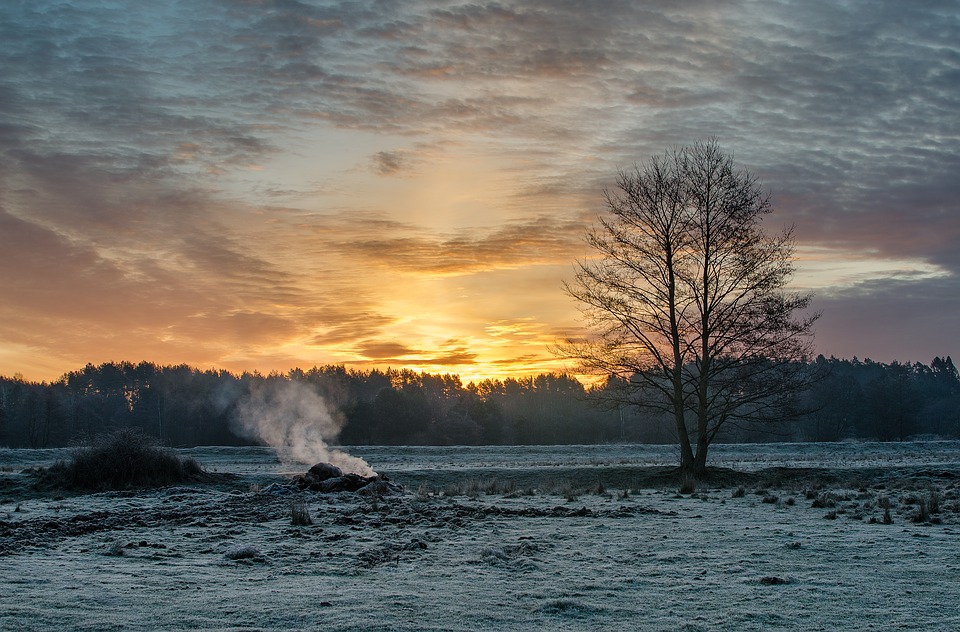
{"type": "Point", "coordinates": [583, 537]}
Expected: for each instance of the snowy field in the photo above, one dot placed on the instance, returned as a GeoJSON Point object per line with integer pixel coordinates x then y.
{"type": "Point", "coordinates": [787, 537]}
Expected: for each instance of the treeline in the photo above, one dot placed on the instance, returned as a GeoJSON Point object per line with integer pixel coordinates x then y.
{"type": "Point", "coordinates": [184, 406]}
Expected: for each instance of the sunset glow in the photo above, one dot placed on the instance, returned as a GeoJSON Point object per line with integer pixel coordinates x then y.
{"type": "Point", "coordinates": [264, 185]}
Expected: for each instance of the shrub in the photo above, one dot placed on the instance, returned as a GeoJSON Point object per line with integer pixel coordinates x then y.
{"type": "Point", "coordinates": [739, 492]}
{"type": "Point", "coordinates": [244, 552]}
{"type": "Point", "coordinates": [885, 505]}
{"type": "Point", "coordinates": [120, 460]}
{"type": "Point", "coordinates": [826, 500]}
{"type": "Point", "coordinates": [299, 513]}
{"type": "Point", "coordinates": [923, 511]}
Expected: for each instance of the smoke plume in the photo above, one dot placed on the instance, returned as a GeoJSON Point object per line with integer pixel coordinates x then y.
{"type": "Point", "coordinates": [298, 423]}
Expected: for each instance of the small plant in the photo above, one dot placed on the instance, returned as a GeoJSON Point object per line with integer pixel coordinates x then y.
{"type": "Point", "coordinates": [770, 499]}
{"type": "Point", "coordinates": [245, 552]}
{"type": "Point", "coordinates": [922, 514]}
{"type": "Point", "coordinates": [885, 505]}
{"type": "Point", "coordinates": [739, 492]}
{"type": "Point", "coordinates": [825, 500]}
{"type": "Point", "coordinates": [115, 550]}
{"type": "Point", "coordinates": [299, 513]}
{"type": "Point", "coordinates": [567, 491]}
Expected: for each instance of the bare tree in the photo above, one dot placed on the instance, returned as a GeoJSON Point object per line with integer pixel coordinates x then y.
{"type": "Point", "coordinates": [686, 298]}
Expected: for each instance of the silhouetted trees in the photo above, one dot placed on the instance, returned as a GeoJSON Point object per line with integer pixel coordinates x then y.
{"type": "Point", "coordinates": [686, 301]}
{"type": "Point", "coordinates": [184, 406]}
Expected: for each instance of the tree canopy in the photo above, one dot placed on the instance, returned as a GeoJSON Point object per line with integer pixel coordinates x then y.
{"type": "Point", "coordinates": [686, 298]}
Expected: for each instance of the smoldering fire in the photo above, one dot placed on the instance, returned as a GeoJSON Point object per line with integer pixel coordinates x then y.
{"type": "Point", "coordinates": [298, 423]}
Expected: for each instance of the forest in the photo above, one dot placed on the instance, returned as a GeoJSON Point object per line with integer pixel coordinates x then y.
{"type": "Point", "coordinates": [184, 406]}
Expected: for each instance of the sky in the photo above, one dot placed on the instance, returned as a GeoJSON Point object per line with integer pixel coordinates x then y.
{"type": "Point", "coordinates": [263, 185]}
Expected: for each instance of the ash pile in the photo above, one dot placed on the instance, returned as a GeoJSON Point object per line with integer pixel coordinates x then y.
{"type": "Point", "coordinates": [327, 478]}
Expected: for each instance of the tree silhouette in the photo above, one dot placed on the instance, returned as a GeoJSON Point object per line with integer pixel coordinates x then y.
{"type": "Point", "coordinates": [686, 300]}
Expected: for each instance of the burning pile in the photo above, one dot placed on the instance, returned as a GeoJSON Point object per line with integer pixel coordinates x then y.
{"type": "Point", "coordinates": [325, 477]}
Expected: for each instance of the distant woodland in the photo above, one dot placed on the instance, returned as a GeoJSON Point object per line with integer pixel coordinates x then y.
{"type": "Point", "coordinates": [184, 406]}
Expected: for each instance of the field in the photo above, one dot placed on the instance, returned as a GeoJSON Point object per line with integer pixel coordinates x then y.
{"type": "Point", "coordinates": [781, 537]}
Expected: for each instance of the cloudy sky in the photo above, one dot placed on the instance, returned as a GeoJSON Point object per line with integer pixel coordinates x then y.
{"type": "Point", "coordinates": [270, 184]}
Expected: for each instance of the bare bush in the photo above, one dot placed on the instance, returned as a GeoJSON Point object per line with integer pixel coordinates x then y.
{"type": "Point", "coordinates": [299, 513]}
{"type": "Point", "coordinates": [884, 503]}
{"type": "Point", "coordinates": [244, 552]}
{"type": "Point", "coordinates": [123, 459]}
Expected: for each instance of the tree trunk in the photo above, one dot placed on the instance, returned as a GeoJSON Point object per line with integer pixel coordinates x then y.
{"type": "Point", "coordinates": [700, 461]}
{"type": "Point", "coordinates": [683, 437]}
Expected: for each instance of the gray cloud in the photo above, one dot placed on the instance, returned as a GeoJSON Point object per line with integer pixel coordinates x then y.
{"type": "Point", "coordinates": [910, 321]}
{"type": "Point", "coordinates": [388, 163]}
{"type": "Point", "coordinates": [125, 133]}
{"type": "Point", "coordinates": [378, 241]}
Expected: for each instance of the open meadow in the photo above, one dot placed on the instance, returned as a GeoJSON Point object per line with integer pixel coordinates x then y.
{"type": "Point", "coordinates": [782, 536]}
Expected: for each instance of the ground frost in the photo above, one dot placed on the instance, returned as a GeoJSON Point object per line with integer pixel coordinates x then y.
{"type": "Point", "coordinates": [227, 557]}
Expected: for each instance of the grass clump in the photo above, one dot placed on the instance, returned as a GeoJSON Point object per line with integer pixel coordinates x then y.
{"type": "Point", "coordinates": [123, 459]}
{"type": "Point", "coordinates": [885, 505]}
{"type": "Point", "coordinates": [299, 513]}
{"type": "Point", "coordinates": [244, 553]}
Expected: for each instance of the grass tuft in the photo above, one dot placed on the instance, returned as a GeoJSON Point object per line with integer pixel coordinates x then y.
{"type": "Point", "coordinates": [885, 505]}
{"type": "Point", "coordinates": [121, 460]}
{"type": "Point", "coordinates": [299, 513]}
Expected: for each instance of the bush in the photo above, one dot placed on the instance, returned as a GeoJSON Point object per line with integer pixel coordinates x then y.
{"type": "Point", "coordinates": [123, 459]}
{"type": "Point", "coordinates": [244, 552]}
{"type": "Point", "coordinates": [299, 513]}
{"type": "Point", "coordinates": [885, 505]}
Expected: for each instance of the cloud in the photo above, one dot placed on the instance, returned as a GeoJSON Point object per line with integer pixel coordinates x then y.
{"type": "Point", "coordinates": [378, 241]}
{"type": "Point", "coordinates": [909, 321]}
{"type": "Point", "coordinates": [388, 163]}
{"type": "Point", "coordinates": [382, 353]}
{"type": "Point", "coordinates": [143, 149]}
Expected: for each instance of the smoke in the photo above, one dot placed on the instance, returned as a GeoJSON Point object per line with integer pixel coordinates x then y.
{"type": "Point", "coordinates": [298, 423]}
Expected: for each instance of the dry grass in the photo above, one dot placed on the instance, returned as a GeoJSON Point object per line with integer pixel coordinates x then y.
{"type": "Point", "coordinates": [299, 513]}
{"type": "Point", "coordinates": [121, 460]}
